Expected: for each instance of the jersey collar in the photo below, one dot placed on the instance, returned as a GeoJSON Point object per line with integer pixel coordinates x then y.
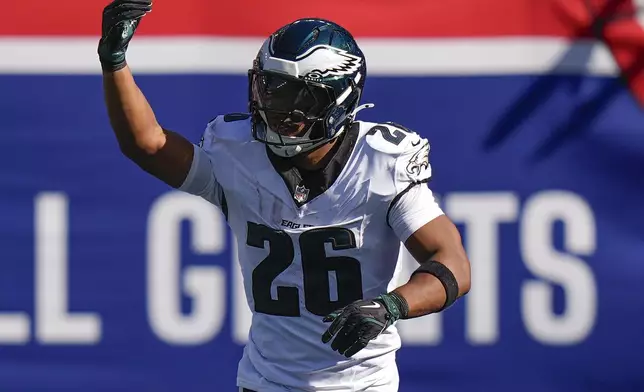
{"type": "Point", "coordinates": [304, 185]}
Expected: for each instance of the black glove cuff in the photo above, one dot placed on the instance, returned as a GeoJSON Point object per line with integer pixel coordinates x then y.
{"type": "Point", "coordinates": [395, 304]}
{"type": "Point", "coordinates": [113, 67]}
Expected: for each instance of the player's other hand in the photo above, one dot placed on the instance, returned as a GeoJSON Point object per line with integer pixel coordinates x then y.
{"type": "Point", "coordinates": [362, 321]}
{"type": "Point", "coordinates": [120, 20]}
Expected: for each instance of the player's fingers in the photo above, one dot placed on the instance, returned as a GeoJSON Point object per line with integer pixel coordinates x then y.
{"type": "Point", "coordinates": [117, 3]}
{"type": "Point", "coordinates": [344, 338]}
{"type": "Point", "coordinates": [355, 347]}
{"type": "Point", "coordinates": [330, 317]}
{"type": "Point", "coordinates": [120, 9]}
{"type": "Point", "coordinates": [326, 336]}
{"type": "Point", "coordinates": [142, 7]}
{"type": "Point", "coordinates": [353, 336]}
{"type": "Point", "coordinates": [127, 13]}
{"type": "Point", "coordinates": [125, 3]}
{"type": "Point", "coordinates": [335, 326]}
{"type": "Point", "coordinates": [357, 340]}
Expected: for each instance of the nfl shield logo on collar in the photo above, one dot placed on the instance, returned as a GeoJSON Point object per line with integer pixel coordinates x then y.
{"type": "Point", "coordinates": [301, 194]}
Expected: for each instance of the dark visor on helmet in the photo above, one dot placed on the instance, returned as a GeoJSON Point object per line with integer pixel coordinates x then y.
{"type": "Point", "coordinates": [291, 106]}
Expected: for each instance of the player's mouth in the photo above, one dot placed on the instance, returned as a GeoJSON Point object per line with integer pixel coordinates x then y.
{"type": "Point", "coordinates": [291, 126]}
{"type": "Point", "coordinates": [291, 129]}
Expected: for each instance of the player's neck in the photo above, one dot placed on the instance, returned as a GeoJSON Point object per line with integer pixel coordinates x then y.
{"type": "Point", "coordinates": [316, 159]}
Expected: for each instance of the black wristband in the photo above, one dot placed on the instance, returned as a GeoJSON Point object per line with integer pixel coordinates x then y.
{"type": "Point", "coordinates": [446, 278]}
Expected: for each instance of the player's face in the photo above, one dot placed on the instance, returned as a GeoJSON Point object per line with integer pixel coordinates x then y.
{"type": "Point", "coordinates": [290, 105]}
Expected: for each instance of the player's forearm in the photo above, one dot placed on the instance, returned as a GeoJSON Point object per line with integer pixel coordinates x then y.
{"type": "Point", "coordinates": [425, 294]}
{"type": "Point", "coordinates": [130, 114]}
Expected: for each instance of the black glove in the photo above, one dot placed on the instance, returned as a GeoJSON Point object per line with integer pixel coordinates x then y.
{"type": "Point", "coordinates": [362, 321]}
{"type": "Point", "coordinates": [120, 20]}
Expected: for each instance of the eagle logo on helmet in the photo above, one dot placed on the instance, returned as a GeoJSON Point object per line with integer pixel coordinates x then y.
{"type": "Point", "coordinates": [322, 61]}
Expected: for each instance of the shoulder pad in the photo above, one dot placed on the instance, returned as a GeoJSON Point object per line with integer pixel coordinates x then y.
{"type": "Point", "coordinates": [413, 166]}
{"type": "Point", "coordinates": [233, 127]}
{"type": "Point", "coordinates": [391, 138]}
{"type": "Point", "coordinates": [411, 152]}
{"type": "Point", "coordinates": [408, 150]}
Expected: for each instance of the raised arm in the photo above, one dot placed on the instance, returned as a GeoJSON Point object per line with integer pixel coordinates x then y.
{"type": "Point", "coordinates": [164, 154]}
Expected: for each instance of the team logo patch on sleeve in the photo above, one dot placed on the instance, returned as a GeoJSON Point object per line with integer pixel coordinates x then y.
{"type": "Point", "coordinates": [419, 162]}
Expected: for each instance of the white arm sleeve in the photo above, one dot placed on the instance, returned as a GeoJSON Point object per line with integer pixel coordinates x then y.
{"type": "Point", "coordinates": [201, 179]}
{"type": "Point", "coordinates": [412, 210]}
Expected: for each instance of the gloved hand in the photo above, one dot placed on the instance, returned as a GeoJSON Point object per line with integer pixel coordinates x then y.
{"type": "Point", "coordinates": [362, 321]}
{"type": "Point", "coordinates": [120, 20]}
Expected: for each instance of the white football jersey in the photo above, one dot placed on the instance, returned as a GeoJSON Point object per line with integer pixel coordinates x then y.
{"type": "Point", "coordinates": [306, 250]}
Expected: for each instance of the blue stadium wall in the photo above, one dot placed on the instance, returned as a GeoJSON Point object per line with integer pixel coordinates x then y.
{"type": "Point", "coordinates": [544, 175]}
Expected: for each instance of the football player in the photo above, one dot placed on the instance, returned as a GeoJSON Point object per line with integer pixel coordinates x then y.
{"type": "Point", "coordinates": [318, 201]}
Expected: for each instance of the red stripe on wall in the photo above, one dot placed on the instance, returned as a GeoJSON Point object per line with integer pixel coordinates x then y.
{"type": "Point", "coordinates": [373, 18]}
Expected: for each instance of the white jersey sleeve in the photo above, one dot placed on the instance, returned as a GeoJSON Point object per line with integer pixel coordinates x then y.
{"type": "Point", "coordinates": [414, 204]}
{"type": "Point", "coordinates": [201, 180]}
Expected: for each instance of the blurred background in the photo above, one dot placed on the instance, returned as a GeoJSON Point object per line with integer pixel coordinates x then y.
{"type": "Point", "coordinates": [109, 281]}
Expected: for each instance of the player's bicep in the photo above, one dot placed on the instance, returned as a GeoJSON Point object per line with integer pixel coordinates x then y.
{"type": "Point", "coordinates": [412, 209]}
{"type": "Point", "coordinates": [428, 234]}
{"type": "Point", "coordinates": [170, 163]}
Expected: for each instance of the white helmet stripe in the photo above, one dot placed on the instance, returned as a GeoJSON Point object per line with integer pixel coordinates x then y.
{"type": "Point", "coordinates": [344, 95]}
